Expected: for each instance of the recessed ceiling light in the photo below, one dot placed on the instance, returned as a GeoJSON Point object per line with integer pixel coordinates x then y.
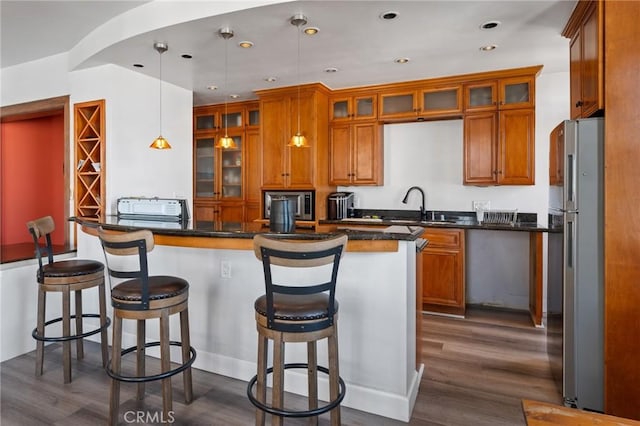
{"type": "Point", "coordinates": [246, 44]}
{"type": "Point", "coordinates": [187, 56]}
{"type": "Point", "coordinates": [489, 25]}
{"type": "Point", "coordinates": [331, 70]}
{"type": "Point", "coordinates": [138, 65]}
{"type": "Point", "coordinates": [311, 30]}
{"type": "Point", "coordinates": [401, 60]}
{"type": "Point", "coordinates": [270, 79]}
{"type": "Point", "coordinates": [212, 87]}
{"type": "Point", "coordinates": [488, 47]}
{"type": "Point", "coordinates": [387, 16]}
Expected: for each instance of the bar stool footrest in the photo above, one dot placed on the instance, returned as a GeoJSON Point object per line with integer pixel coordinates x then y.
{"type": "Point", "coordinates": [36, 336]}
{"type": "Point", "coordinates": [288, 413]}
{"type": "Point", "coordinates": [160, 376]}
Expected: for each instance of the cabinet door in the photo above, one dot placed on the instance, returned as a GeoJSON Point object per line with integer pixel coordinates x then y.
{"type": "Point", "coordinates": [516, 147]}
{"type": "Point", "coordinates": [206, 119]}
{"type": "Point", "coordinates": [231, 169]}
{"type": "Point", "coordinates": [205, 212]}
{"type": "Point", "coordinates": [575, 73]}
{"type": "Point", "coordinates": [274, 127]}
{"type": "Point", "coordinates": [340, 154]}
{"type": "Point", "coordinates": [204, 167]}
{"type": "Point", "coordinates": [481, 96]}
{"type": "Point", "coordinates": [366, 154]}
{"type": "Point", "coordinates": [556, 154]}
{"type": "Point", "coordinates": [480, 143]}
{"type": "Point", "coordinates": [231, 212]}
{"type": "Point", "coordinates": [516, 92]}
{"type": "Point", "coordinates": [590, 71]}
{"type": "Point", "coordinates": [442, 279]}
{"type": "Point", "coordinates": [398, 105]}
{"type": "Point", "coordinates": [441, 101]}
{"type": "Point", "coordinates": [301, 166]}
{"type": "Point", "coordinates": [252, 164]}
{"type": "Point", "coordinates": [365, 107]}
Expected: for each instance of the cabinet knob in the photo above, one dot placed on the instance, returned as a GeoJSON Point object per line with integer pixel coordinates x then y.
{"type": "Point", "coordinates": [579, 104]}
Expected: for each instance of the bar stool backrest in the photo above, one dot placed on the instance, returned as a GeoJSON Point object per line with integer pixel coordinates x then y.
{"type": "Point", "coordinates": [133, 245]}
{"type": "Point", "coordinates": [39, 228]}
{"type": "Point", "coordinates": [299, 254]}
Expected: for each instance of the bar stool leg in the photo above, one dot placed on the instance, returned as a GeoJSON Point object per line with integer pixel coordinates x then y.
{"type": "Point", "coordinates": [141, 334]}
{"type": "Point", "coordinates": [66, 331]}
{"type": "Point", "coordinates": [114, 400]}
{"type": "Point", "coordinates": [79, 345]}
{"type": "Point", "coordinates": [334, 375]}
{"type": "Point", "coordinates": [261, 386]}
{"type": "Point", "coordinates": [312, 379]}
{"type": "Point", "coordinates": [186, 345]}
{"type": "Point", "coordinates": [42, 301]}
{"type": "Point", "coordinates": [165, 362]}
{"type": "Point", "coordinates": [278, 378]}
{"type": "Point", "coordinates": [104, 342]}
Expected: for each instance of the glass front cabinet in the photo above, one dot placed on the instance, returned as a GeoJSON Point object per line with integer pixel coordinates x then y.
{"type": "Point", "coordinates": [218, 172]}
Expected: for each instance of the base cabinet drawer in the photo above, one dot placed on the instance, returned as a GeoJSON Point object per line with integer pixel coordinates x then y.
{"type": "Point", "coordinates": [443, 278]}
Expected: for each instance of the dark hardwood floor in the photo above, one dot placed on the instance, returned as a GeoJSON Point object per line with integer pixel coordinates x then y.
{"type": "Point", "coordinates": [477, 370]}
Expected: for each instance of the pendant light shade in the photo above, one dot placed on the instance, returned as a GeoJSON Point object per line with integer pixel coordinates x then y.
{"type": "Point", "coordinates": [298, 140]}
{"type": "Point", "coordinates": [160, 142]}
{"type": "Point", "coordinates": [226, 142]}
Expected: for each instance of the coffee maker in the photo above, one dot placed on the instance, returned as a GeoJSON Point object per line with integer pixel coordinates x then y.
{"type": "Point", "coordinates": [340, 205]}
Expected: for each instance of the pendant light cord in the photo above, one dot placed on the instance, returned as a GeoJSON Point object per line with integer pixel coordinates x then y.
{"type": "Point", "coordinates": [226, 88]}
{"type": "Point", "coordinates": [298, 71]}
{"type": "Point", "coordinates": [160, 92]}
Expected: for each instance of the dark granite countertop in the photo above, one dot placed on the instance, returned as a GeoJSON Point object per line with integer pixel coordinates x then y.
{"type": "Point", "coordinates": [526, 222]}
{"type": "Point", "coordinates": [400, 232]}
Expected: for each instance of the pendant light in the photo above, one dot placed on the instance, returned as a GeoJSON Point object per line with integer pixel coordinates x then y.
{"type": "Point", "coordinates": [298, 140]}
{"type": "Point", "coordinates": [226, 142]}
{"type": "Point", "coordinates": [160, 142]}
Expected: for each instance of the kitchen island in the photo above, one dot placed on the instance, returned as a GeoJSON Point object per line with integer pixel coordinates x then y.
{"type": "Point", "coordinates": [376, 290]}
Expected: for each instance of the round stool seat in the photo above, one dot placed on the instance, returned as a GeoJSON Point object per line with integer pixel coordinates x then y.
{"type": "Point", "coordinates": [71, 268]}
{"type": "Point", "coordinates": [160, 287]}
{"type": "Point", "coordinates": [289, 307]}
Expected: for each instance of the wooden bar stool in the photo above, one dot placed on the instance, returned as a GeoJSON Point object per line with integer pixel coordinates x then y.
{"type": "Point", "coordinates": [141, 297]}
{"type": "Point", "coordinates": [297, 312]}
{"type": "Point", "coordinates": [64, 277]}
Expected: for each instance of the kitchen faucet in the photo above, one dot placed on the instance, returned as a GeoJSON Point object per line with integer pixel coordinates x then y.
{"type": "Point", "coordinates": [423, 213]}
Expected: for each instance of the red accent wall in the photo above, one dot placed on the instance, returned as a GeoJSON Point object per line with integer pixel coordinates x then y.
{"type": "Point", "coordinates": [32, 176]}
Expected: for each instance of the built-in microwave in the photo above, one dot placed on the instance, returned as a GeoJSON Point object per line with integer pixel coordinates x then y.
{"type": "Point", "coordinates": [303, 200]}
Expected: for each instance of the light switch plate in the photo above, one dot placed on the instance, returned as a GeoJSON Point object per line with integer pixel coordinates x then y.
{"type": "Point", "coordinates": [481, 205]}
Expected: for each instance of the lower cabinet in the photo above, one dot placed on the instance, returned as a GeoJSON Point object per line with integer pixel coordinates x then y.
{"type": "Point", "coordinates": [442, 264]}
{"type": "Point", "coordinates": [208, 211]}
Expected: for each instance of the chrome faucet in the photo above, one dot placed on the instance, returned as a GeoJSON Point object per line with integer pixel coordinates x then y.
{"type": "Point", "coordinates": [423, 213]}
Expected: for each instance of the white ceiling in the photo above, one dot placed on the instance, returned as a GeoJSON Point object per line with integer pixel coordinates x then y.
{"type": "Point", "coordinates": [439, 37]}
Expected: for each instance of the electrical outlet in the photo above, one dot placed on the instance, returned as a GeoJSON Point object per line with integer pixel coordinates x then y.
{"type": "Point", "coordinates": [481, 205]}
{"type": "Point", "coordinates": [225, 269]}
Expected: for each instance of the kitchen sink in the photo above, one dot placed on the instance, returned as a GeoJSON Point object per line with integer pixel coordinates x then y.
{"type": "Point", "coordinates": [436, 222]}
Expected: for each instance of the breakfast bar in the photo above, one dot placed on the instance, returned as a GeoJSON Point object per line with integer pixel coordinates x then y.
{"type": "Point", "coordinates": [376, 290]}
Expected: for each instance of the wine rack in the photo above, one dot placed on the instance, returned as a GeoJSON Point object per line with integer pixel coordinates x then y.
{"type": "Point", "coordinates": [89, 121]}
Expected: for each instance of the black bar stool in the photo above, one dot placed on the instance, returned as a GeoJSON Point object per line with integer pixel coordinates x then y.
{"type": "Point", "coordinates": [64, 277]}
{"type": "Point", "coordinates": [141, 297]}
{"type": "Point", "coordinates": [297, 313]}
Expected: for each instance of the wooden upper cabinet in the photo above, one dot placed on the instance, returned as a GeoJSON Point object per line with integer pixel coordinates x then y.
{"type": "Point", "coordinates": [586, 55]}
{"type": "Point", "coordinates": [505, 93]}
{"type": "Point", "coordinates": [356, 154]}
{"type": "Point", "coordinates": [499, 148]}
{"type": "Point", "coordinates": [350, 107]}
{"type": "Point", "coordinates": [556, 156]}
{"type": "Point", "coordinates": [441, 101]}
{"type": "Point", "coordinates": [284, 166]}
{"type": "Point", "coordinates": [398, 104]}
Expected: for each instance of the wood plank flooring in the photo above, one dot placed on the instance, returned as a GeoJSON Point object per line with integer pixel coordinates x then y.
{"type": "Point", "coordinates": [477, 370]}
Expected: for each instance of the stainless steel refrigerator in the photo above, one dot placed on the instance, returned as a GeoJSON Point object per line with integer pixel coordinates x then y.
{"type": "Point", "coordinates": [575, 285]}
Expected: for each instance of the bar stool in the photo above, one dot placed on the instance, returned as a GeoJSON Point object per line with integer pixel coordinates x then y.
{"type": "Point", "coordinates": [141, 297]}
{"type": "Point", "coordinates": [303, 312]}
{"type": "Point", "coordinates": [64, 277]}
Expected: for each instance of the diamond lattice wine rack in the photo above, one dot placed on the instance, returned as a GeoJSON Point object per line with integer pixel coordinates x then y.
{"type": "Point", "coordinates": [90, 139]}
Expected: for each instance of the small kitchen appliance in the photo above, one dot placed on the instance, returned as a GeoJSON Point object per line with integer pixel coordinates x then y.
{"type": "Point", "coordinates": [283, 215]}
{"type": "Point", "coordinates": [303, 202]}
{"type": "Point", "coordinates": [153, 209]}
{"type": "Point", "coordinates": [339, 205]}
